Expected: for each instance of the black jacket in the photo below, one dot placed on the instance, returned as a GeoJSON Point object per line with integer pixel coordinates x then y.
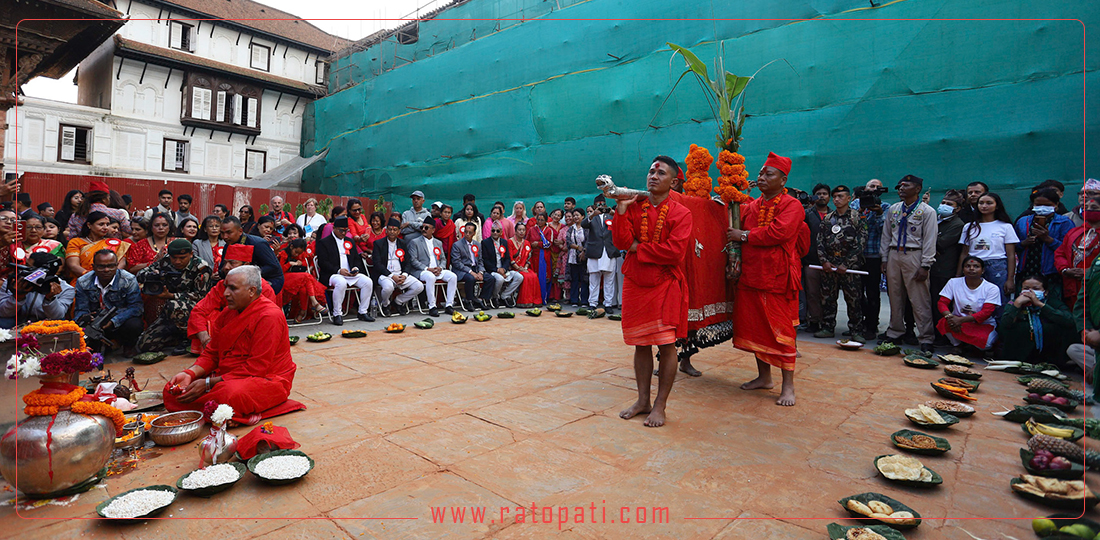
{"type": "Point", "coordinates": [599, 237]}
{"type": "Point", "coordinates": [380, 257]}
{"type": "Point", "coordinates": [813, 219]}
{"type": "Point", "coordinates": [490, 255]}
{"type": "Point", "coordinates": [328, 257]}
{"type": "Point", "coordinates": [262, 256]}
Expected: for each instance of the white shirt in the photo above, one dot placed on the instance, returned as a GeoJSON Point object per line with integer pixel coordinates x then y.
{"type": "Point", "coordinates": [343, 255]}
{"type": "Point", "coordinates": [966, 301]}
{"type": "Point", "coordinates": [431, 252]}
{"type": "Point", "coordinates": [104, 288]}
{"type": "Point", "coordinates": [394, 264]}
{"type": "Point", "coordinates": [311, 224]}
{"type": "Point", "coordinates": [988, 242]}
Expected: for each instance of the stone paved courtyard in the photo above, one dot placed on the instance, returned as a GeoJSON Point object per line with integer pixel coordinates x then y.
{"type": "Point", "coordinates": [519, 412]}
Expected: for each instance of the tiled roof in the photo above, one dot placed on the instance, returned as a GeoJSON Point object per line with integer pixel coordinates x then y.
{"type": "Point", "coordinates": [91, 7]}
{"type": "Point", "coordinates": [241, 10]}
{"type": "Point", "coordinates": [180, 57]}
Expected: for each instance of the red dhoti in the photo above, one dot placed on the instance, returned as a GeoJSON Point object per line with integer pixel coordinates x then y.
{"type": "Point", "coordinates": [246, 396]}
{"type": "Point", "coordinates": [640, 327]}
{"type": "Point", "coordinates": [762, 325]}
{"type": "Point", "coordinates": [206, 310]}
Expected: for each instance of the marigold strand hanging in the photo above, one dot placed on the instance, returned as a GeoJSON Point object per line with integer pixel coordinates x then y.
{"type": "Point", "coordinates": [102, 409]}
{"type": "Point", "coordinates": [697, 182]}
{"type": "Point", "coordinates": [733, 184]}
{"type": "Point", "coordinates": [39, 404]}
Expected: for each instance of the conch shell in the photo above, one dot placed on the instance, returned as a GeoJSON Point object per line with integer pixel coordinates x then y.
{"type": "Point", "coordinates": [611, 191]}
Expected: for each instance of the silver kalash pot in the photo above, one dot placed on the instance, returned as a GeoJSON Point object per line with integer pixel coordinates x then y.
{"type": "Point", "coordinates": [54, 458]}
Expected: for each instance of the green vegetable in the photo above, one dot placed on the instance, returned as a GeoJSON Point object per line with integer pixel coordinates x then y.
{"type": "Point", "coordinates": [887, 349]}
{"type": "Point", "coordinates": [1091, 426]}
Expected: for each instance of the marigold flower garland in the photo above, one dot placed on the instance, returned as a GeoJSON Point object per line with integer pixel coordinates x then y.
{"type": "Point", "coordinates": [44, 328]}
{"type": "Point", "coordinates": [645, 222]}
{"type": "Point", "coordinates": [102, 409]}
{"type": "Point", "coordinates": [766, 213]}
{"type": "Point", "coordinates": [733, 184]}
{"type": "Point", "coordinates": [39, 404]}
{"type": "Point", "coordinates": [698, 182]}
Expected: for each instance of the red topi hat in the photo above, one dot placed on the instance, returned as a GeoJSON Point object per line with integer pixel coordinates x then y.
{"type": "Point", "coordinates": [97, 185]}
{"type": "Point", "coordinates": [779, 162]}
{"type": "Point", "coordinates": [238, 252]}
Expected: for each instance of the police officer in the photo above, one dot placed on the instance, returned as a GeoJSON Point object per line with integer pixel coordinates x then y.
{"type": "Point", "coordinates": [841, 240]}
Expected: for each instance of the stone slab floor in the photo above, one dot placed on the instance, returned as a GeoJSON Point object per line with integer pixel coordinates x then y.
{"type": "Point", "coordinates": [524, 412]}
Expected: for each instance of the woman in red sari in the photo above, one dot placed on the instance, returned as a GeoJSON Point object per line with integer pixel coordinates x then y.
{"type": "Point", "coordinates": [540, 237]}
{"type": "Point", "coordinates": [300, 288]}
{"type": "Point", "coordinates": [377, 230]}
{"type": "Point", "coordinates": [559, 255]}
{"type": "Point", "coordinates": [146, 244]}
{"type": "Point", "coordinates": [445, 228]}
{"type": "Point", "coordinates": [530, 293]}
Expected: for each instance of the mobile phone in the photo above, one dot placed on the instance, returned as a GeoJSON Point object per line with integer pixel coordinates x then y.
{"type": "Point", "coordinates": [19, 226]}
{"type": "Point", "coordinates": [354, 271]}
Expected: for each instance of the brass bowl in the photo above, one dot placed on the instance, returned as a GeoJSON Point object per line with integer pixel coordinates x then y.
{"type": "Point", "coordinates": [134, 442]}
{"type": "Point", "coordinates": [176, 435]}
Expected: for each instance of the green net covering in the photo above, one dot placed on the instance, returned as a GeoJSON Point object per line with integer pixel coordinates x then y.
{"type": "Point", "coordinates": [536, 109]}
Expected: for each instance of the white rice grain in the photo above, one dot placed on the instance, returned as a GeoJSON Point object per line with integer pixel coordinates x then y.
{"type": "Point", "coordinates": [138, 503]}
{"type": "Point", "coordinates": [214, 475]}
{"type": "Point", "coordinates": [282, 467]}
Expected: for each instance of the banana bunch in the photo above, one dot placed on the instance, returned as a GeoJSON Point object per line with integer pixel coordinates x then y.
{"type": "Point", "coordinates": [1036, 428]}
{"type": "Point", "coordinates": [458, 318]}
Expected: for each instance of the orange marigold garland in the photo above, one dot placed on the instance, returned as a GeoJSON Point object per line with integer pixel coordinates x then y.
{"type": "Point", "coordinates": [661, 215]}
{"type": "Point", "coordinates": [766, 213]}
{"type": "Point", "coordinates": [697, 183]}
{"type": "Point", "coordinates": [102, 409]}
{"type": "Point", "coordinates": [39, 404]}
{"type": "Point", "coordinates": [45, 328]}
{"type": "Point", "coordinates": [733, 184]}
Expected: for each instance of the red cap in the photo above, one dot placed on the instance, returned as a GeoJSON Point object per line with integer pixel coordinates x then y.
{"type": "Point", "coordinates": [779, 162]}
{"type": "Point", "coordinates": [238, 252]}
{"type": "Point", "coordinates": [97, 185]}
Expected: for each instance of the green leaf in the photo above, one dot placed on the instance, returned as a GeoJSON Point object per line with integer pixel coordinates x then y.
{"type": "Point", "coordinates": [694, 64]}
{"type": "Point", "coordinates": [735, 85]}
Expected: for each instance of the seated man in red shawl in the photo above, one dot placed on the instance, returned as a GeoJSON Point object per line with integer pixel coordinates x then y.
{"type": "Point", "coordinates": [766, 308]}
{"type": "Point", "coordinates": [247, 364]}
{"type": "Point", "coordinates": [200, 324]}
{"type": "Point", "coordinates": [654, 232]}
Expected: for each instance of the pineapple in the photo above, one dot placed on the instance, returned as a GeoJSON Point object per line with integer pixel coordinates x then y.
{"type": "Point", "coordinates": [1069, 450]}
{"type": "Point", "coordinates": [1047, 386]}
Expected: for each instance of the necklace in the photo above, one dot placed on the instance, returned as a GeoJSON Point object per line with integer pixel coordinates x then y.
{"type": "Point", "coordinates": [766, 212]}
{"type": "Point", "coordinates": [661, 215]}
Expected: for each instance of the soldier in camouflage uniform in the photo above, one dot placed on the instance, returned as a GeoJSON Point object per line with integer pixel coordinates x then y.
{"type": "Point", "coordinates": [193, 282]}
{"type": "Point", "coordinates": [840, 248]}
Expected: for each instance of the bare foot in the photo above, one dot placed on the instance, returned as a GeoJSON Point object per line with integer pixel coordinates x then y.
{"type": "Point", "coordinates": [686, 367]}
{"type": "Point", "coordinates": [758, 383]}
{"type": "Point", "coordinates": [655, 418]}
{"type": "Point", "coordinates": [786, 397]}
{"type": "Point", "coordinates": [639, 407]}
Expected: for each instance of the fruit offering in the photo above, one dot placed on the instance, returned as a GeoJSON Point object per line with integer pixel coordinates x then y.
{"type": "Point", "coordinates": [294, 340]}
{"type": "Point", "coordinates": [458, 318]}
{"type": "Point", "coordinates": [1036, 428]}
{"type": "Point", "coordinates": [394, 328]}
{"type": "Point", "coordinates": [553, 307]}
{"type": "Point", "coordinates": [506, 315]}
{"type": "Point", "coordinates": [353, 334]}
{"type": "Point", "coordinates": [1045, 460]}
{"type": "Point", "coordinates": [887, 349]}
{"type": "Point", "coordinates": [319, 336]}
{"type": "Point", "coordinates": [482, 316]}
{"type": "Point", "coordinates": [1067, 449]}
{"type": "Point", "coordinates": [424, 324]}
{"type": "Point", "coordinates": [534, 312]}
{"type": "Point", "coordinates": [1049, 398]}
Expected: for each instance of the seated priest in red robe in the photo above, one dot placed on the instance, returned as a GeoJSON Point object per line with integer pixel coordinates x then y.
{"type": "Point", "coordinates": [653, 231]}
{"type": "Point", "coordinates": [200, 325]}
{"type": "Point", "coordinates": [247, 364]}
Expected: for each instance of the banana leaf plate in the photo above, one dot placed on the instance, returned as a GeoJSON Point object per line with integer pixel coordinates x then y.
{"type": "Point", "coordinates": [871, 496]}
{"type": "Point", "coordinates": [488, 317]}
{"type": "Point", "coordinates": [103, 505]}
{"type": "Point", "coordinates": [564, 314]}
{"type": "Point", "coordinates": [294, 340]}
{"type": "Point", "coordinates": [211, 490]}
{"type": "Point", "coordinates": [1065, 408]}
{"type": "Point", "coordinates": [942, 446]}
{"type": "Point", "coordinates": [920, 362]}
{"type": "Point", "coordinates": [1063, 520]}
{"type": "Point", "coordinates": [840, 532]}
{"type": "Point", "coordinates": [1089, 501]}
{"type": "Point", "coordinates": [1078, 433]}
{"type": "Point", "coordinates": [968, 375]}
{"type": "Point", "coordinates": [1026, 379]}
{"type": "Point", "coordinates": [147, 358]}
{"type": "Point", "coordinates": [951, 395]}
{"type": "Point", "coordinates": [949, 420]}
{"type": "Point", "coordinates": [506, 315]}
{"type": "Point", "coordinates": [257, 459]}
{"type": "Point", "coordinates": [319, 340]}
{"type": "Point", "coordinates": [970, 385]}
{"type": "Point", "coordinates": [935, 481]}
{"type": "Point", "coordinates": [394, 331]}
{"type": "Point", "coordinates": [1076, 472]}
{"type": "Point", "coordinates": [615, 317]}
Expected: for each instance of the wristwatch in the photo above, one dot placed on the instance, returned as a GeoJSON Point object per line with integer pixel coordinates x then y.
{"type": "Point", "coordinates": [744, 236]}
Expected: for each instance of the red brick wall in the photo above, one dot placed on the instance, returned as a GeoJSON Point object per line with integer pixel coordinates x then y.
{"type": "Point", "coordinates": [53, 187]}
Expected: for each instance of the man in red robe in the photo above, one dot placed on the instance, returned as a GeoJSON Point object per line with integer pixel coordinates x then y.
{"type": "Point", "coordinates": [766, 307]}
{"type": "Point", "coordinates": [247, 364]}
{"type": "Point", "coordinates": [200, 324]}
{"type": "Point", "coordinates": [654, 233]}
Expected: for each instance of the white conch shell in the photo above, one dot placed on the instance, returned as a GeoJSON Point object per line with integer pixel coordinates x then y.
{"type": "Point", "coordinates": [611, 191]}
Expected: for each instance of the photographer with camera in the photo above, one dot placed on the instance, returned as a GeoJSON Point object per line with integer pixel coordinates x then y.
{"type": "Point", "coordinates": [104, 290]}
{"type": "Point", "coordinates": [37, 294]}
{"type": "Point", "coordinates": [181, 279]}
{"type": "Point", "coordinates": [869, 205]}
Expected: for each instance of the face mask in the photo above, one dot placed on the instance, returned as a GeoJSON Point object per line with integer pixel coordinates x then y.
{"type": "Point", "coordinates": [1043, 210]}
{"type": "Point", "coordinates": [1038, 294]}
{"type": "Point", "coordinates": [1091, 215]}
{"type": "Point", "coordinates": [945, 210]}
